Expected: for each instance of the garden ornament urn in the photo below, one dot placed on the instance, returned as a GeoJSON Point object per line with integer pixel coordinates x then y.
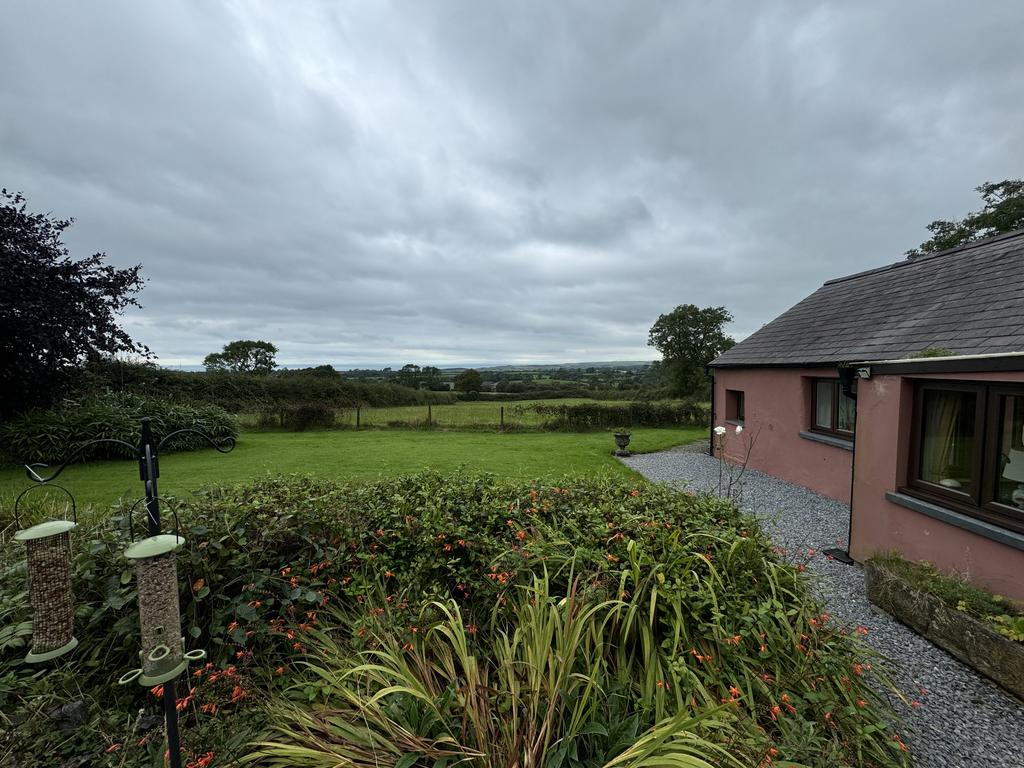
{"type": "Point", "coordinates": [163, 647]}
{"type": "Point", "coordinates": [622, 441]}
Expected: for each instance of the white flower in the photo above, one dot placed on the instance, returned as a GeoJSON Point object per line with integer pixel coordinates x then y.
{"type": "Point", "coordinates": [739, 428]}
{"type": "Point", "coordinates": [719, 431]}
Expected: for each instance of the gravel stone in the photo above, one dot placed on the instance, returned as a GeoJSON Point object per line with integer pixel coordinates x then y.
{"type": "Point", "coordinates": [964, 721]}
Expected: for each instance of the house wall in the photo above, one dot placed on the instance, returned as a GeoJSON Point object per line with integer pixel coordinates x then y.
{"type": "Point", "coordinates": [884, 411]}
{"type": "Point", "coordinates": [777, 409]}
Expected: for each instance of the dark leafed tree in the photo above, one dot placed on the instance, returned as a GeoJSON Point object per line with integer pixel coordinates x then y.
{"type": "Point", "coordinates": [55, 312]}
{"type": "Point", "coordinates": [469, 380]}
{"type": "Point", "coordinates": [1003, 212]}
{"type": "Point", "coordinates": [243, 356]}
{"type": "Point", "coordinates": [689, 338]}
{"type": "Point", "coordinates": [431, 376]}
{"type": "Point", "coordinates": [409, 375]}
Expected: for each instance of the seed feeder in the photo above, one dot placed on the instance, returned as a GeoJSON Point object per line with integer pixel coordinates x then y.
{"type": "Point", "coordinates": [48, 546]}
{"type": "Point", "coordinates": [163, 647]}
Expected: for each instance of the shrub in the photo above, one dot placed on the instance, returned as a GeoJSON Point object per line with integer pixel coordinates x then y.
{"type": "Point", "coordinates": [553, 689]}
{"type": "Point", "coordinates": [48, 436]}
{"type": "Point", "coordinates": [589, 416]}
{"type": "Point", "coordinates": [303, 416]}
{"type": "Point", "coordinates": [688, 609]}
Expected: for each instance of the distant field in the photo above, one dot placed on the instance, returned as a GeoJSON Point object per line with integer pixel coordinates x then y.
{"type": "Point", "coordinates": [348, 454]}
{"type": "Point", "coordinates": [461, 415]}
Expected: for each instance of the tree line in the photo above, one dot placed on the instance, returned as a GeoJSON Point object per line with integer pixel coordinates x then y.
{"type": "Point", "coordinates": [59, 313]}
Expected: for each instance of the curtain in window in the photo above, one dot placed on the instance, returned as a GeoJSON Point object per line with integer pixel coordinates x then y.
{"type": "Point", "coordinates": [947, 440]}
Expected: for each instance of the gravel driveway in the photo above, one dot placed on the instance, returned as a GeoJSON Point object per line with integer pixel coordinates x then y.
{"type": "Point", "coordinates": [964, 719]}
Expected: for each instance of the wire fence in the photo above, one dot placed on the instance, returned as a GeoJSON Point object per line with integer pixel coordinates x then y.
{"type": "Point", "coordinates": [548, 415]}
{"type": "Point", "coordinates": [457, 416]}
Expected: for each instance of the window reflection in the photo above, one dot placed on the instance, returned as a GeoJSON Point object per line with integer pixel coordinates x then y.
{"type": "Point", "coordinates": [1010, 480]}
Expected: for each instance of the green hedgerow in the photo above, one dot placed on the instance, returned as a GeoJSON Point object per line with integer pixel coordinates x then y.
{"type": "Point", "coordinates": [52, 435]}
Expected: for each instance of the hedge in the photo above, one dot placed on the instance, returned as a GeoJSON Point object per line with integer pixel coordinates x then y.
{"type": "Point", "coordinates": [588, 416]}
{"type": "Point", "coordinates": [52, 435]}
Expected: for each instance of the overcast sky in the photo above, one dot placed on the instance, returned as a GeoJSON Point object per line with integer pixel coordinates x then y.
{"type": "Point", "coordinates": [471, 182]}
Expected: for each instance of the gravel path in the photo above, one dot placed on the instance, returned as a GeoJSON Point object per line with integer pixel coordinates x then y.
{"type": "Point", "coordinates": [964, 720]}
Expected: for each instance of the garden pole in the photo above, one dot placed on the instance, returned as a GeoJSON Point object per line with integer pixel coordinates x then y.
{"type": "Point", "coordinates": [357, 417]}
{"type": "Point", "coordinates": [503, 417]}
{"type": "Point", "coordinates": [149, 471]}
{"type": "Point", "coordinates": [429, 416]}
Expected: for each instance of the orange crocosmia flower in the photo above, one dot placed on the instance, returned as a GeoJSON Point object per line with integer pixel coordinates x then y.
{"type": "Point", "coordinates": [198, 584]}
{"type": "Point", "coordinates": [862, 630]}
{"type": "Point", "coordinates": [113, 748]}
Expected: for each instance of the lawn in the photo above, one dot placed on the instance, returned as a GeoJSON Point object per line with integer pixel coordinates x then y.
{"type": "Point", "coordinates": [345, 454]}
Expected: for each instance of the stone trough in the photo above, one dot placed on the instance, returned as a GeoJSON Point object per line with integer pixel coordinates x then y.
{"type": "Point", "coordinates": [974, 643]}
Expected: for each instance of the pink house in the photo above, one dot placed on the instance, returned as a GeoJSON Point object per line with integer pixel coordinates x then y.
{"type": "Point", "coordinates": [928, 450]}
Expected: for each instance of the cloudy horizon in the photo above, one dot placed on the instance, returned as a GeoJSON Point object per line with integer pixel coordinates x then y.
{"type": "Point", "coordinates": [509, 182]}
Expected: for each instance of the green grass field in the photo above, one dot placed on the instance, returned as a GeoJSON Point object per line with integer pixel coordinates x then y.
{"type": "Point", "coordinates": [349, 454]}
{"type": "Point", "coordinates": [463, 414]}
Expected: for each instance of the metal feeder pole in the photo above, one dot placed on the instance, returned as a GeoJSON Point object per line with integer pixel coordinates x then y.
{"type": "Point", "coordinates": [149, 471]}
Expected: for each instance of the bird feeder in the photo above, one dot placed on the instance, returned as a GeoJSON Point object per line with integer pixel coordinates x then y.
{"type": "Point", "coordinates": [48, 548]}
{"type": "Point", "coordinates": [163, 654]}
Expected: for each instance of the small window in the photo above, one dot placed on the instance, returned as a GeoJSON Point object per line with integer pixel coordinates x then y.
{"type": "Point", "coordinates": [735, 407]}
{"type": "Point", "coordinates": [831, 410]}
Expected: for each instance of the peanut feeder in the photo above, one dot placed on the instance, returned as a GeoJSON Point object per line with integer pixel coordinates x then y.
{"type": "Point", "coordinates": [49, 584]}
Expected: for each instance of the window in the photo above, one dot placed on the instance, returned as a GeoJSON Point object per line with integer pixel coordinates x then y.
{"type": "Point", "coordinates": [734, 406]}
{"type": "Point", "coordinates": [968, 450]}
{"type": "Point", "coordinates": [831, 410]}
{"type": "Point", "coordinates": [1008, 488]}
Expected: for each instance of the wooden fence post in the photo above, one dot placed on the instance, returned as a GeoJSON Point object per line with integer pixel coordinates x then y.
{"type": "Point", "coordinates": [503, 417]}
{"type": "Point", "coordinates": [357, 417]}
{"type": "Point", "coordinates": [430, 417]}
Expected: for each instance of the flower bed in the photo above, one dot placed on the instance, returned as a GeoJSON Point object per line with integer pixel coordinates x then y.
{"type": "Point", "coordinates": [654, 621]}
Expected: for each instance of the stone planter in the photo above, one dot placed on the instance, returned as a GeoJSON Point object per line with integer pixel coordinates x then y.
{"type": "Point", "coordinates": [998, 658]}
{"type": "Point", "coordinates": [622, 441]}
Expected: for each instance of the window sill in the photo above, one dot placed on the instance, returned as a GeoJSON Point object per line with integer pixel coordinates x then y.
{"type": "Point", "coordinates": [835, 442]}
{"type": "Point", "coordinates": [735, 422]}
{"type": "Point", "coordinates": [959, 519]}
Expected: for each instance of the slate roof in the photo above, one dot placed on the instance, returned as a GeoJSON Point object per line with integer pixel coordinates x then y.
{"type": "Point", "coordinates": [968, 299]}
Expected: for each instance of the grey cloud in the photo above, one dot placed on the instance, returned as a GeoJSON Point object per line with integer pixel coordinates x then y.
{"type": "Point", "coordinates": [458, 181]}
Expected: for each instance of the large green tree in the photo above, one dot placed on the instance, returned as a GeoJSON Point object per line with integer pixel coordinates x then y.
{"type": "Point", "coordinates": [469, 380]}
{"type": "Point", "coordinates": [1003, 212]}
{"type": "Point", "coordinates": [55, 312]}
{"type": "Point", "coordinates": [689, 338]}
{"type": "Point", "coordinates": [243, 356]}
